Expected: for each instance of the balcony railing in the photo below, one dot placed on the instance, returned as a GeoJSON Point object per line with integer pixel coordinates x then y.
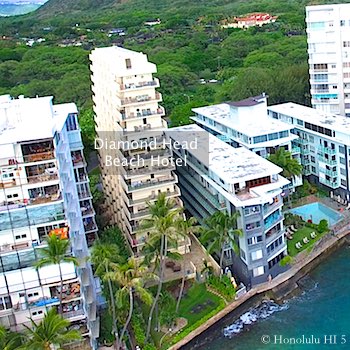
{"type": "Point", "coordinates": [151, 183]}
{"type": "Point", "coordinates": [139, 85]}
{"type": "Point", "coordinates": [330, 183]}
{"type": "Point", "coordinates": [331, 173]}
{"type": "Point", "coordinates": [296, 150]}
{"type": "Point", "coordinates": [141, 99]}
{"type": "Point", "coordinates": [143, 114]}
{"type": "Point", "coordinates": [153, 197]}
{"type": "Point", "coordinates": [327, 150]}
{"type": "Point", "coordinates": [37, 157]}
{"type": "Point", "coordinates": [272, 220]}
{"type": "Point", "coordinates": [327, 160]}
{"type": "Point", "coordinates": [149, 170]}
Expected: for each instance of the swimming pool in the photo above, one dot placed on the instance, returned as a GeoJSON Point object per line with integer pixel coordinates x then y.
{"type": "Point", "coordinates": [316, 212]}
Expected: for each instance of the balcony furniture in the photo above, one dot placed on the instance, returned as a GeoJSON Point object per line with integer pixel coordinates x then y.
{"type": "Point", "coordinates": [22, 245]}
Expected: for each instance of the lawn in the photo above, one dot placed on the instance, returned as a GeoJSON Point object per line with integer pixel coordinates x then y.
{"type": "Point", "coordinates": [95, 171]}
{"type": "Point", "coordinates": [298, 237]}
{"type": "Point", "coordinates": [197, 303]}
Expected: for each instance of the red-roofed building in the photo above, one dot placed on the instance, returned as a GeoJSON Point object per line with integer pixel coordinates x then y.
{"type": "Point", "coordinates": [250, 20]}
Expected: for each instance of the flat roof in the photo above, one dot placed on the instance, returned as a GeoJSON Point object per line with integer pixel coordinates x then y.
{"type": "Point", "coordinates": [26, 119]}
{"type": "Point", "coordinates": [232, 165]}
{"type": "Point", "coordinates": [249, 102]}
{"type": "Point", "coordinates": [261, 125]}
{"type": "Point", "coordinates": [311, 115]}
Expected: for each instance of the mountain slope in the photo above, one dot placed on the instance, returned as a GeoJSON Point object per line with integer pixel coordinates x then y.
{"type": "Point", "coordinates": [58, 7]}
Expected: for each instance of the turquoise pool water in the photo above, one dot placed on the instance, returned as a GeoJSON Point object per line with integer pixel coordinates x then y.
{"type": "Point", "coordinates": [316, 212]}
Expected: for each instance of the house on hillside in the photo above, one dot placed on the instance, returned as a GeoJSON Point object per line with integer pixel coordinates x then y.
{"type": "Point", "coordinates": [153, 22]}
{"type": "Point", "coordinates": [250, 20]}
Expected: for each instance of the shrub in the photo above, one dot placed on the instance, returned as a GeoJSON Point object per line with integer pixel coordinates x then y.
{"type": "Point", "coordinates": [222, 286]}
{"type": "Point", "coordinates": [322, 226]}
{"type": "Point", "coordinates": [286, 260]}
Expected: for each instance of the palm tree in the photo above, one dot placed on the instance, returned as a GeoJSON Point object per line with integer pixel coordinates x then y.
{"type": "Point", "coordinates": [10, 340]}
{"type": "Point", "coordinates": [284, 159]}
{"type": "Point", "coordinates": [221, 230]}
{"type": "Point", "coordinates": [185, 228]}
{"type": "Point", "coordinates": [131, 278]}
{"type": "Point", "coordinates": [103, 256]}
{"type": "Point", "coordinates": [51, 332]}
{"type": "Point", "coordinates": [55, 253]}
{"type": "Point", "coordinates": [162, 221]}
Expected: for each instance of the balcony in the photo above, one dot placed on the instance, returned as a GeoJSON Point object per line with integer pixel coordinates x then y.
{"type": "Point", "coordinates": [150, 155]}
{"type": "Point", "coordinates": [142, 143]}
{"type": "Point", "coordinates": [331, 173]}
{"type": "Point", "coordinates": [295, 150]}
{"type": "Point", "coordinates": [329, 183]}
{"type": "Point", "coordinates": [130, 173]}
{"type": "Point", "coordinates": [141, 99]}
{"type": "Point", "coordinates": [169, 194]}
{"type": "Point", "coordinates": [78, 159]}
{"type": "Point", "coordinates": [86, 208]}
{"type": "Point", "coordinates": [89, 225]}
{"type": "Point", "coordinates": [140, 85]}
{"type": "Point", "coordinates": [73, 310]}
{"type": "Point", "coordinates": [327, 150]}
{"type": "Point", "coordinates": [304, 151]}
{"type": "Point", "coordinates": [151, 183]}
{"type": "Point", "coordinates": [70, 291]}
{"type": "Point", "coordinates": [331, 162]}
{"type": "Point", "coordinates": [301, 141]}
{"type": "Point", "coordinates": [272, 219]}
{"type": "Point", "coordinates": [269, 208]}
{"type": "Point", "coordinates": [84, 195]}
{"type": "Point", "coordinates": [144, 114]}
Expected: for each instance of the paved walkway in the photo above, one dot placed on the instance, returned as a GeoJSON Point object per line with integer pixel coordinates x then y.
{"type": "Point", "coordinates": [321, 246]}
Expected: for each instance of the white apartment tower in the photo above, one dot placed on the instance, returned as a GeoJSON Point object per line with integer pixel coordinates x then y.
{"type": "Point", "coordinates": [44, 190]}
{"type": "Point", "coordinates": [127, 110]}
{"type": "Point", "coordinates": [328, 37]}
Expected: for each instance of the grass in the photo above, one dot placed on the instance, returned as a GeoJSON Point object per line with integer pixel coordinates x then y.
{"type": "Point", "coordinates": [298, 237]}
{"type": "Point", "coordinates": [95, 171]}
{"type": "Point", "coordinates": [197, 295]}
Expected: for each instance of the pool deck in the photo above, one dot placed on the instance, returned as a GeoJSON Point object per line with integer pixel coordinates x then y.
{"type": "Point", "coordinates": [340, 230]}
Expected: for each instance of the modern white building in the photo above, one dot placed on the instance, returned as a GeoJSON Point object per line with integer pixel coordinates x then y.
{"type": "Point", "coordinates": [216, 176]}
{"type": "Point", "coordinates": [127, 112]}
{"type": "Point", "coordinates": [44, 190]}
{"type": "Point", "coordinates": [246, 123]}
{"type": "Point", "coordinates": [328, 38]}
{"type": "Point", "coordinates": [324, 140]}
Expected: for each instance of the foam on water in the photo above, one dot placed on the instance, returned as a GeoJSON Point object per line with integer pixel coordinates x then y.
{"type": "Point", "coordinates": [264, 310]}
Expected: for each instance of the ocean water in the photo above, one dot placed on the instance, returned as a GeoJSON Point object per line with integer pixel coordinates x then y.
{"type": "Point", "coordinates": [320, 316]}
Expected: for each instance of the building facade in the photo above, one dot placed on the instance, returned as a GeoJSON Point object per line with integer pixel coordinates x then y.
{"type": "Point", "coordinates": [127, 113]}
{"type": "Point", "coordinates": [246, 123]}
{"type": "Point", "coordinates": [328, 32]}
{"type": "Point", "coordinates": [324, 140]}
{"type": "Point", "coordinates": [216, 176]}
{"type": "Point", "coordinates": [44, 190]}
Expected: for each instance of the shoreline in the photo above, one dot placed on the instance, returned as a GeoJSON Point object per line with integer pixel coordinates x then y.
{"type": "Point", "coordinates": [278, 289]}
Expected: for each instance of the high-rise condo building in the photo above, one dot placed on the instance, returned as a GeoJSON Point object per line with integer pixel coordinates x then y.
{"type": "Point", "coordinates": [328, 38]}
{"type": "Point", "coordinates": [216, 176]}
{"type": "Point", "coordinates": [130, 126]}
{"type": "Point", "coordinates": [44, 190]}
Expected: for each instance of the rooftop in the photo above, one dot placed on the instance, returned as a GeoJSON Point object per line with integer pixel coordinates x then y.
{"type": "Point", "coordinates": [250, 127]}
{"type": "Point", "coordinates": [307, 114]}
{"type": "Point", "coordinates": [115, 57]}
{"type": "Point", "coordinates": [250, 101]}
{"type": "Point", "coordinates": [232, 165]}
{"type": "Point", "coordinates": [26, 119]}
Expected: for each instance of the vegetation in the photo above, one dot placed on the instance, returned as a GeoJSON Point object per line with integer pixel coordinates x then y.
{"type": "Point", "coordinates": [223, 286]}
{"type": "Point", "coordinates": [56, 253]}
{"type": "Point", "coordinates": [291, 167]}
{"type": "Point", "coordinates": [51, 332]}
{"type": "Point", "coordinates": [221, 229]}
{"type": "Point", "coordinates": [10, 340]}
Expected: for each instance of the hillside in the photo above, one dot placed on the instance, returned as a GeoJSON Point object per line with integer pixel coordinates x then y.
{"type": "Point", "coordinates": [61, 7]}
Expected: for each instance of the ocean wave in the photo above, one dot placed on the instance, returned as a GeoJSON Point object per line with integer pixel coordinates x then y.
{"type": "Point", "coordinates": [264, 310]}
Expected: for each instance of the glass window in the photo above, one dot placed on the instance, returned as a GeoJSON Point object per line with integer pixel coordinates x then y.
{"type": "Point", "coordinates": [256, 255]}
{"type": "Point", "coordinates": [343, 171]}
{"type": "Point", "coordinates": [258, 271]}
{"type": "Point", "coordinates": [273, 136]}
{"type": "Point", "coordinates": [300, 122]}
{"type": "Point", "coordinates": [283, 134]}
{"type": "Point", "coordinates": [342, 149]}
{"type": "Point", "coordinates": [258, 139]}
{"type": "Point", "coordinates": [342, 160]}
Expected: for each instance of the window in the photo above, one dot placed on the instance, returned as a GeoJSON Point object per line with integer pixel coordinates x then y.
{"type": "Point", "coordinates": [254, 240]}
{"type": "Point", "coordinates": [343, 182]}
{"type": "Point", "coordinates": [242, 254]}
{"type": "Point", "coordinates": [276, 260]}
{"type": "Point", "coordinates": [283, 134]}
{"type": "Point", "coordinates": [273, 136]}
{"type": "Point", "coordinates": [342, 149]}
{"type": "Point", "coordinates": [271, 247]}
{"type": "Point", "coordinates": [342, 171]}
{"type": "Point", "coordinates": [312, 159]}
{"type": "Point", "coordinates": [342, 160]}
{"type": "Point", "coordinates": [252, 226]}
{"type": "Point", "coordinates": [258, 271]}
{"type": "Point", "coordinates": [346, 43]}
{"type": "Point", "coordinates": [300, 122]}
{"type": "Point", "coordinates": [342, 23]}
{"type": "Point", "coordinates": [320, 66]}
{"type": "Point", "coordinates": [128, 63]}
{"type": "Point", "coordinates": [258, 139]}
{"type": "Point", "coordinates": [251, 210]}
{"type": "Point", "coordinates": [313, 169]}
{"type": "Point", "coordinates": [256, 255]}
{"type": "Point", "coordinates": [5, 303]}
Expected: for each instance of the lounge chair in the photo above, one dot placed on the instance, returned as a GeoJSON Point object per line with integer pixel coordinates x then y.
{"type": "Point", "coordinates": [298, 245]}
{"type": "Point", "coordinates": [305, 240]}
{"type": "Point", "coordinates": [313, 235]}
{"type": "Point", "coordinates": [289, 231]}
{"type": "Point", "coordinates": [293, 228]}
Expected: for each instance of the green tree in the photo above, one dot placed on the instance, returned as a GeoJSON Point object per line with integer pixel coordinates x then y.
{"type": "Point", "coordinates": [10, 340]}
{"type": "Point", "coordinates": [185, 228]}
{"type": "Point", "coordinates": [284, 159]}
{"type": "Point", "coordinates": [56, 253]}
{"type": "Point", "coordinates": [162, 222]}
{"type": "Point", "coordinates": [221, 230]}
{"type": "Point", "coordinates": [51, 332]}
{"type": "Point", "coordinates": [131, 278]}
{"type": "Point", "coordinates": [103, 256]}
